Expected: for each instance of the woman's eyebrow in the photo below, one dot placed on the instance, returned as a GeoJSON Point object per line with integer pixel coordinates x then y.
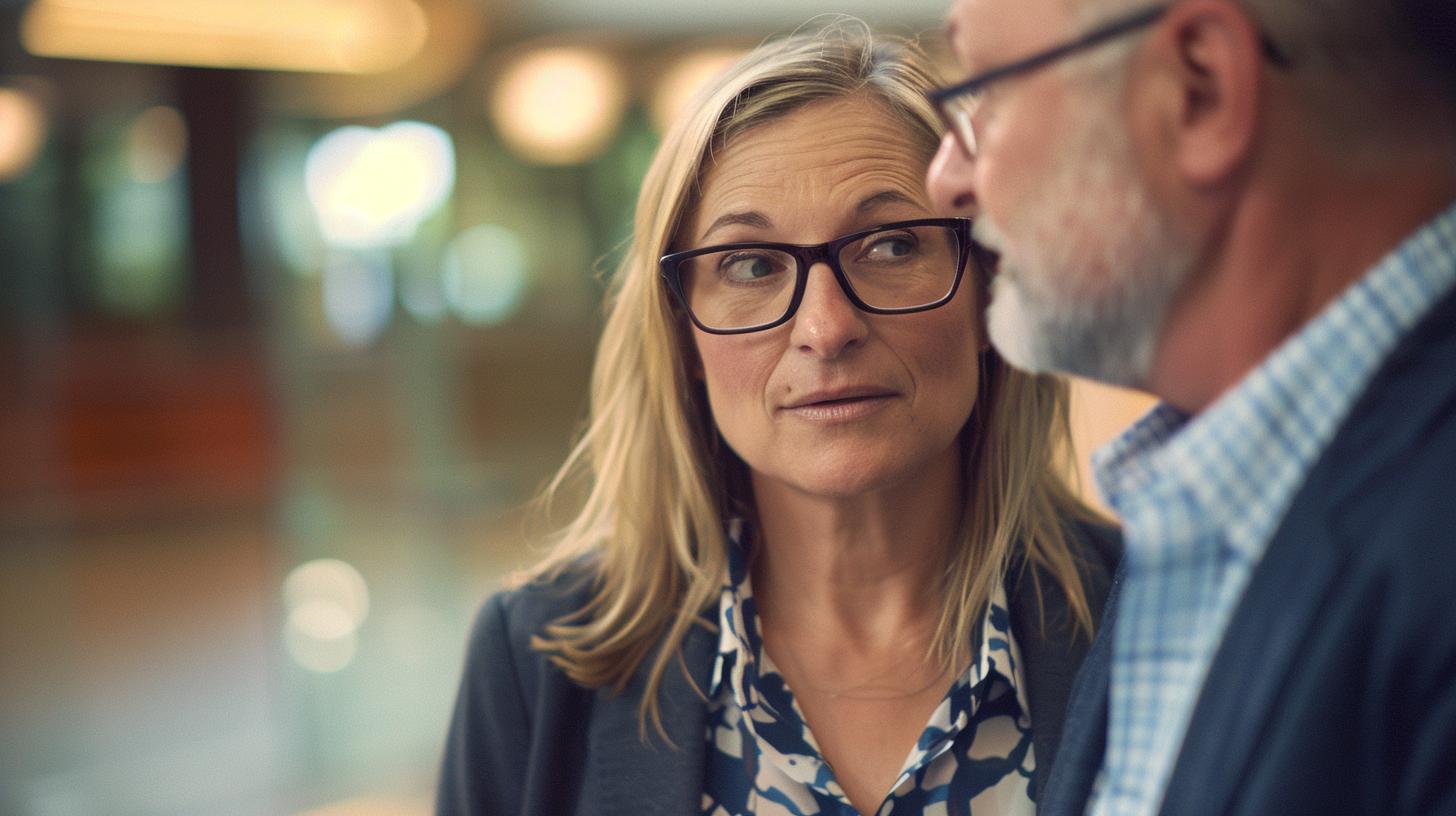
{"type": "Point", "coordinates": [756, 219]}
{"type": "Point", "coordinates": [748, 218]}
{"type": "Point", "coordinates": [882, 198]}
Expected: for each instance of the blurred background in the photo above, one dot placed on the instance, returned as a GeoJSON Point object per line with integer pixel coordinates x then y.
{"type": "Point", "coordinates": [297, 304]}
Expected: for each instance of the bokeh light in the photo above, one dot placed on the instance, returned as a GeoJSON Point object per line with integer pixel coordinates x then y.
{"type": "Point", "coordinates": [141, 233]}
{"type": "Point", "coordinates": [485, 272]}
{"type": "Point", "coordinates": [156, 144]}
{"type": "Point", "coordinates": [372, 188]}
{"type": "Point", "coordinates": [358, 295]}
{"type": "Point", "coordinates": [281, 225]}
{"type": "Point", "coordinates": [422, 291]}
{"type": "Point", "coordinates": [683, 78]}
{"type": "Point", "coordinates": [22, 131]}
{"type": "Point", "coordinates": [319, 655]}
{"type": "Point", "coordinates": [336, 36]}
{"type": "Point", "coordinates": [329, 580]}
{"type": "Point", "coordinates": [327, 600]}
{"type": "Point", "coordinates": [559, 105]}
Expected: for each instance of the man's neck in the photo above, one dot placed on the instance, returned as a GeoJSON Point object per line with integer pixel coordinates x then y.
{"type": "Point", "coordinates": [1292, 247]}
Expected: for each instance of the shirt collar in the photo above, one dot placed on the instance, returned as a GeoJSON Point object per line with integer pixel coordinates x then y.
{"type": "Point", "coordinates": [738, 642]}
{"type": "Point", "coordinates": [1238, 464]}
{"type": "Point", "coordinates": [743, 669]}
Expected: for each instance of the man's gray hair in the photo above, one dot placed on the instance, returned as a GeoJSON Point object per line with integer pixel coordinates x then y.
{"type": "Point", "coordinates": [1366, 67]}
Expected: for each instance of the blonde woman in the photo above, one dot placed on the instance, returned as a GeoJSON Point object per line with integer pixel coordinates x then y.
{"type": "Point", "coordinates": [826, 563]}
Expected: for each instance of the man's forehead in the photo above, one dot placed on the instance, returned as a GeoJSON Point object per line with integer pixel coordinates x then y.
{"type": "Point", "coordinates": [982, 31]}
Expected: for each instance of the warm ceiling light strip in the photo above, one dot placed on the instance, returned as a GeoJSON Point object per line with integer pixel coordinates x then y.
{"type": "Point", "coordinates": [323, 36]}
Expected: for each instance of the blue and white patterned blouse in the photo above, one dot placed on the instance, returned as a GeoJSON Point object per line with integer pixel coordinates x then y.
{"type": "Point", "coordinates": [974, 755]}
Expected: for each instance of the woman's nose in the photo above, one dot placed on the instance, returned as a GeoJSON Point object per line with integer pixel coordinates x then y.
{"type": "Point", "coordinates": [948, 179]}
{"type": "Point", "coordinates": [826, 323]}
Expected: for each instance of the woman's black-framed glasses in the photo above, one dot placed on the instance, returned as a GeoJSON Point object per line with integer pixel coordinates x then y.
{"type": "Point", "coordinates": [897, 268]}
{"type": "Point", "coordinates": [957, 103]}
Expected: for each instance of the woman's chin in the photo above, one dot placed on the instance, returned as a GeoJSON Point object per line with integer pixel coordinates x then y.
{"type": "Point", "coordinates": [859, 477]}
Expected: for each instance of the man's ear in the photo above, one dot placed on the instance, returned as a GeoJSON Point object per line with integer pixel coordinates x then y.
{"type": "Point", "coordinates": [1206, 97]}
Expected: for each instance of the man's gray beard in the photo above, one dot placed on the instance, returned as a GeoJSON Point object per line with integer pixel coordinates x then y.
{"type": "Point", "coordinates": [1087, 288]}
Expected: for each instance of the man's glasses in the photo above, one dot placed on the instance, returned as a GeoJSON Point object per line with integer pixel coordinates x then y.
{"type": "Point", "coordinates": [957, 103]}
{"type": "Point", "coordinates": [907, 266]}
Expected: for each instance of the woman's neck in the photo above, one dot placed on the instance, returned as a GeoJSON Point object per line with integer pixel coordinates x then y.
{"type": "Point", "coordinates": [864, 569]}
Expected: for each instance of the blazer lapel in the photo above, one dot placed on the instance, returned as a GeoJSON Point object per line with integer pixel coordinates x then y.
{"type": "Point", "coordinates": [630, 776]}
{"type": "Point", "coordinates": [1051, 648]}
{"type": "Point", "coordinates": [1084, 731]}
{"type": "Point", "coordinates": [1251, 664]}
{"type": "Point", "coordinates": [1412, 389]}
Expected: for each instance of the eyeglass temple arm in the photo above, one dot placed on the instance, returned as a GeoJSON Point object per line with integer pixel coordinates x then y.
{"type": "Point", "coordinates": [1035, 61]}
{"type": "Point", "coordinates": [1271, 50]}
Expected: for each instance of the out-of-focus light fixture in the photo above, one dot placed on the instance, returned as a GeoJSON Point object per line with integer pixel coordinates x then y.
{"type": "Point", "coordinates": [372, 188]}
{"type": "Point", "coordinates": [422, 292]}
{"type": "Point", "coordinates": [358, 295]}
{"type": "Point", "coordinates": [559, 105]}
{"type": "Point", "coordinates": [319, 655]}
{"type": "Point", "coordinates": [330, 36]}
{"type": "Point", "coordinates": [327, 599]}
{"type": "Point", "coordinates": [22, 131]}
{"type": "Point", "coordinates": [685, 77]}
{"type": "Point", "coordinates": [484, 274]}
{"type": "Point", "coordinates": [456, 30]}
{"type": "Point", "coordinates": [156, 143]}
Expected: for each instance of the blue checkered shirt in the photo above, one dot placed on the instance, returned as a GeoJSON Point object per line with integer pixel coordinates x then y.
{"type": "Point", "coordinates": [1201, 497]}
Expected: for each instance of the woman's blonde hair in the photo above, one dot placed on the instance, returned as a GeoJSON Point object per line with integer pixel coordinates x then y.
{"type": "Point", "coordinates": [660, 485]}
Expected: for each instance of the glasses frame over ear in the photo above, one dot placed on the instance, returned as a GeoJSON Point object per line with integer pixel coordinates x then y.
{"type": "Point", "coordinates": [957, 103]}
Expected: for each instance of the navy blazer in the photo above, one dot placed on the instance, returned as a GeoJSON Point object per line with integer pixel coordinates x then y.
{"type": "Point", "coordinates": [1334, 689]}
{"type": "Point", "coordinates": [527, 740]}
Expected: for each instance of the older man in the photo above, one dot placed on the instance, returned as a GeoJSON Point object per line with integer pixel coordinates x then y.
{"type": "Point", "coordinates": [1245, 207]}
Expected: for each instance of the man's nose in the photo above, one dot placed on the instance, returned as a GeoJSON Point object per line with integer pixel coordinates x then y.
{"type": "Point", "coordinates": [948, 179]}
{"type": "Point", "coordinates": [826, 323]}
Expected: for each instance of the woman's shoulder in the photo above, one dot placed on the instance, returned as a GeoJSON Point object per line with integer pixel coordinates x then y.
{"type": "Point", "coordinates": [1096, 542]}
{"type": "Point", "coordinates": [520, 613]}
{"type": "Point", "coordinates": [514, 707]}
{"type": "Point", "coordinates": [1095, 547]}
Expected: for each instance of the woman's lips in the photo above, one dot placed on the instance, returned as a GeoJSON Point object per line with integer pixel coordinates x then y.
{"type": "Point", "coordinates": [839, 409]}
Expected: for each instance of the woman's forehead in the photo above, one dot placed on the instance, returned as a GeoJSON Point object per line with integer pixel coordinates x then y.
{"type": "Point", "coordinates": [828, 153]}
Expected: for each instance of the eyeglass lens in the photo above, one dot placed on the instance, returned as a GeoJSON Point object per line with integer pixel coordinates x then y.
{"type": "Point", "coordinates": [957, 112]}
{"type": "Point", "coordinates": [901, 268]}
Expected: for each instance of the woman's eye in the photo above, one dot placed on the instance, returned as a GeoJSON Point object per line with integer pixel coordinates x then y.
{"type": "Point", "coordinates": [746, 268]}
{"type": "Point", "coordinates": [890, 247]}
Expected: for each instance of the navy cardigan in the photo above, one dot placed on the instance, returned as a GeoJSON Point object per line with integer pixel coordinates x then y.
{"type": "Point", "coordinates": [527, 740]}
